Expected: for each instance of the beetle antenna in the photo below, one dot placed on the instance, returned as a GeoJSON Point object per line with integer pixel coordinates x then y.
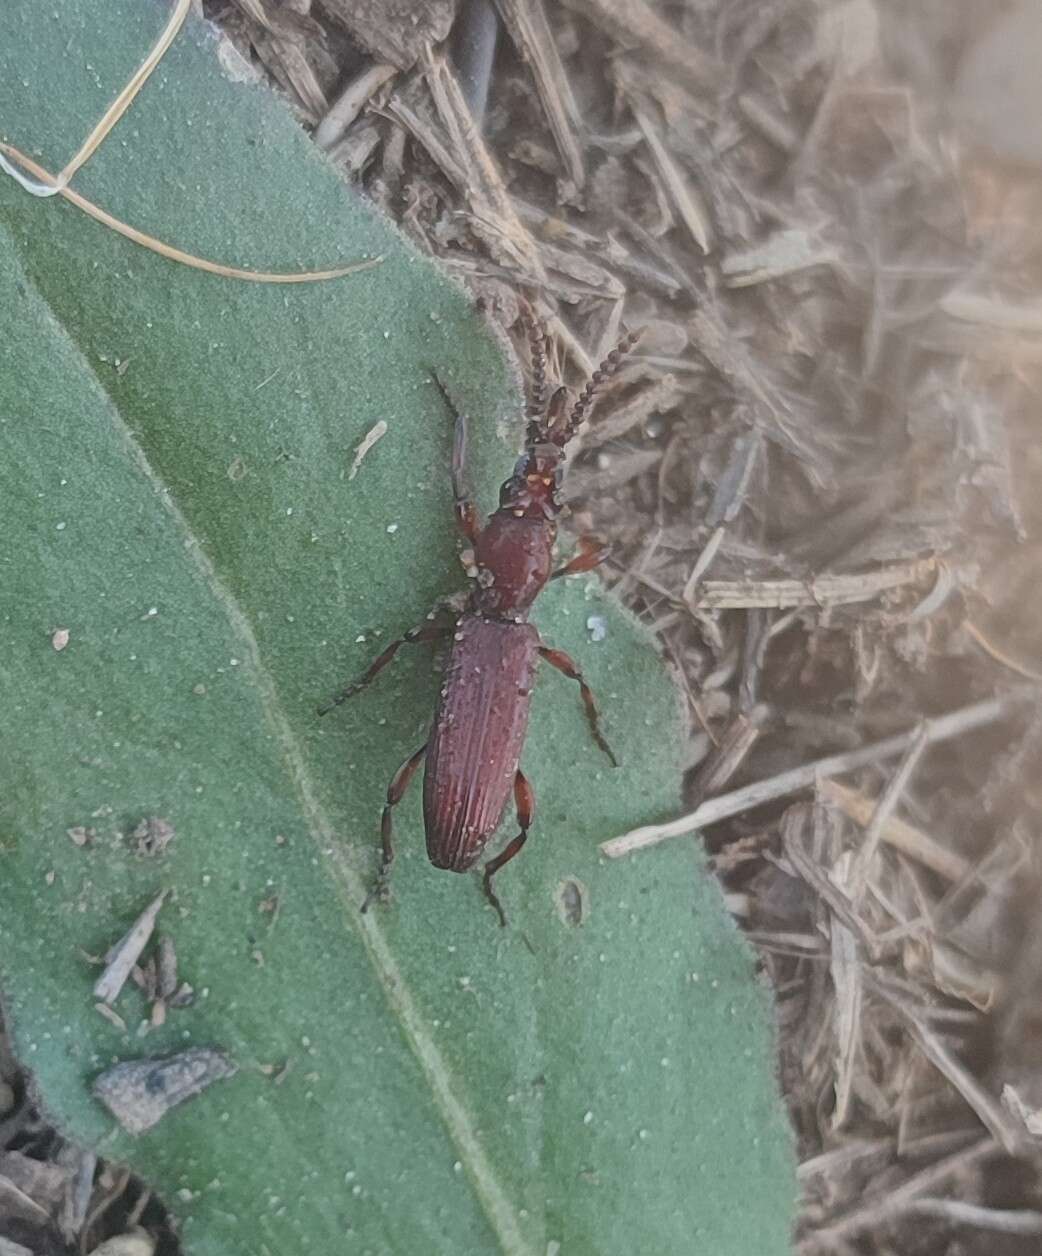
{"type": "Point", "coordinates": [601, 375]}
{"type": "Point", "coordinates": [538, 348]}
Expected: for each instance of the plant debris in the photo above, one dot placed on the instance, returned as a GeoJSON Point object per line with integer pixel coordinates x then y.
{"type": "Point", "coordinates": [121, 958]}
{"type": "Point", "coordinates": [153, 835]}
{"type": "Point", "coordinates": [139, 1093]}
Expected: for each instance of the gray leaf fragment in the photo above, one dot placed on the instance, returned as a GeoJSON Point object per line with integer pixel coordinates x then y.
{"type": "Point", "coordinates": [139, 1093]}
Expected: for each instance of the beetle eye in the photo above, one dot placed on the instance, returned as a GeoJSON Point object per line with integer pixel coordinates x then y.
{"type": "Point", "coordinates": [510, 490]}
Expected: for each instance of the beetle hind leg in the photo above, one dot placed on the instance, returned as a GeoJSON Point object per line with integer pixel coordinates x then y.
{"type": "Point", "coordinates": [568, 667]}
{"type": "Point", "coordinates": [399, 784]}
{"type": "Point", "coordinates": [524, 800]}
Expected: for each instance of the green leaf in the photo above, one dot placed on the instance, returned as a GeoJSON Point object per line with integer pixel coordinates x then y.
{"type": "Point", "coordinates": [175, 495]}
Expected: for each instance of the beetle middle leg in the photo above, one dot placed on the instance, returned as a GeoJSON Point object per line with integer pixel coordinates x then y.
{"type": "Point", "coordinates": [591, 553]}
{"type": "Point", "coordinates": [524, 800]}
{"type": "Point", "coordinates": [566, 664]}
{"type": "Point", "coordinates": [424, 632]}
{"type": "Point", "coordinates": [399, 784]}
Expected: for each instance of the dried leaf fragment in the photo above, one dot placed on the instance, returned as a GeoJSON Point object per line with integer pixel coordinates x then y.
{"type": "Point", "coordinates": [367, 442]}
{"type": "Point", "coordinates": [139, 1093]}
{"type": "Point", "coordinates": [127, 951]}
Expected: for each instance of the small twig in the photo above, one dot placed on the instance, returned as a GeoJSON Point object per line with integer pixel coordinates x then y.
{"type": "Point", "coordinates": [485, 188]}
{"type": "Point", "coordinates": [884, 808]}
{"type": "Point", "coordinates": [894, 1203]}
{"type": "Point", "coordinates": [897, 833]}
{"type": "Point", "coordinates": [530, 31]}
{"type": "Point", "coordinates": [808, 868]}
{"type": "Point", "coordinates": [716, 809]}
{"type": "Point", "coordinates": [1002, 1220]}
{"type": "Point", "coordinates": [1012, 1137]}
{"type": "Point", "coordinates": [687, 199]}
{"type": "Point", "coordinates": [1021, 669]}
{"type": "Point", "coordinates": [634, 21]}
{"type": "Point", "coordinates": [349, 103]}
{"type": "Point", "coordinates": [728, 755]}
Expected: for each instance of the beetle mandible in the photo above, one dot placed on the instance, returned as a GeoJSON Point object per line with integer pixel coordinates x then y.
{"type": "Point", "coordinates": [474, 748]}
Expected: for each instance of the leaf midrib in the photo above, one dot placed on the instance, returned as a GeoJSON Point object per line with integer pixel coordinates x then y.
{"type": "Point", "coordinates": [500, 1212]}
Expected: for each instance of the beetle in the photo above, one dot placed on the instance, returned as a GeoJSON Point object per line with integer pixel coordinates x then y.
{"type": "Point", "coordinates": [474, 748]}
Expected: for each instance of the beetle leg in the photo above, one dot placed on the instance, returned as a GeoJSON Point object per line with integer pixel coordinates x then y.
{"type": "Point", "coordinates": [466, 511]}
{"type": "Point", "coordinates": [566, 664]}
{"type": "Point", "coordinates": [399, 784]}
{"type": "Point", "coordinates": [524, 800]}
{"type": "Point", "coordinates": [424, 632]}
{"type": "Point", "coordinates": [591, 554]}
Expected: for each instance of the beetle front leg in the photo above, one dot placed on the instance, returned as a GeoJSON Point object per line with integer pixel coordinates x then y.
{"type": "Point", "coordinates": [424, 632]}
{"type": "Point", "coordinates": [524, 800]}
{"type": "Point", "coordinates": [591, 553]}
{"type": "Point", "coordinates": [399, 784]}
{"type": "Point", "coordinates": [566, 664]}
{"type": "Point", "coordinates": [466, 511]}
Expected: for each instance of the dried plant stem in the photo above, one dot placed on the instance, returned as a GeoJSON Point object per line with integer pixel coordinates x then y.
{"type": "Point", "coordinates": [877, 1211]}
{"type": "Point", "coordinates": [883, 810]}
{"type": "Point", "coordinates": [898, 833]}
{"type": "Point", "coordinates": [716, 809]}
{"type": "Point", "coordinates": [1006, 1130]}
{"type": "Point", "coordinates": [822, 590]}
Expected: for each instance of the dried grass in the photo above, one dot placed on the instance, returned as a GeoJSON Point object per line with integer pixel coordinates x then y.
{"type": "Point", "coordinates": [817, 480]}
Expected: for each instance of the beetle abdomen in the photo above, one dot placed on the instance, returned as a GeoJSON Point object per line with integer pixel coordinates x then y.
{"type": "Point", "coordinates": [479, 729]}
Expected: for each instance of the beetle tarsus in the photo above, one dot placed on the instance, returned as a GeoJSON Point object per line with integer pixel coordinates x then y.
{"type": "Point", "coordinates": [399, 784]}
{"type": "Point", "coordinates": [567, 666]}
{"type": "Point", "coordinates": [493, 898]}
{"type": "Point", "coordinates": [524, 800]}
{"type": "Point", "coordinates": [380, 893]}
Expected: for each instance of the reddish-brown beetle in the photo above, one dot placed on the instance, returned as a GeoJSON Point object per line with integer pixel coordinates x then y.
{"type": "Point", "coordinates": [479, 726]}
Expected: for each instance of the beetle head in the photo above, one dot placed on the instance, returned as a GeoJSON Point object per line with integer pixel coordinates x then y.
{"type": "Point", "coordinates": [531, 492]}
